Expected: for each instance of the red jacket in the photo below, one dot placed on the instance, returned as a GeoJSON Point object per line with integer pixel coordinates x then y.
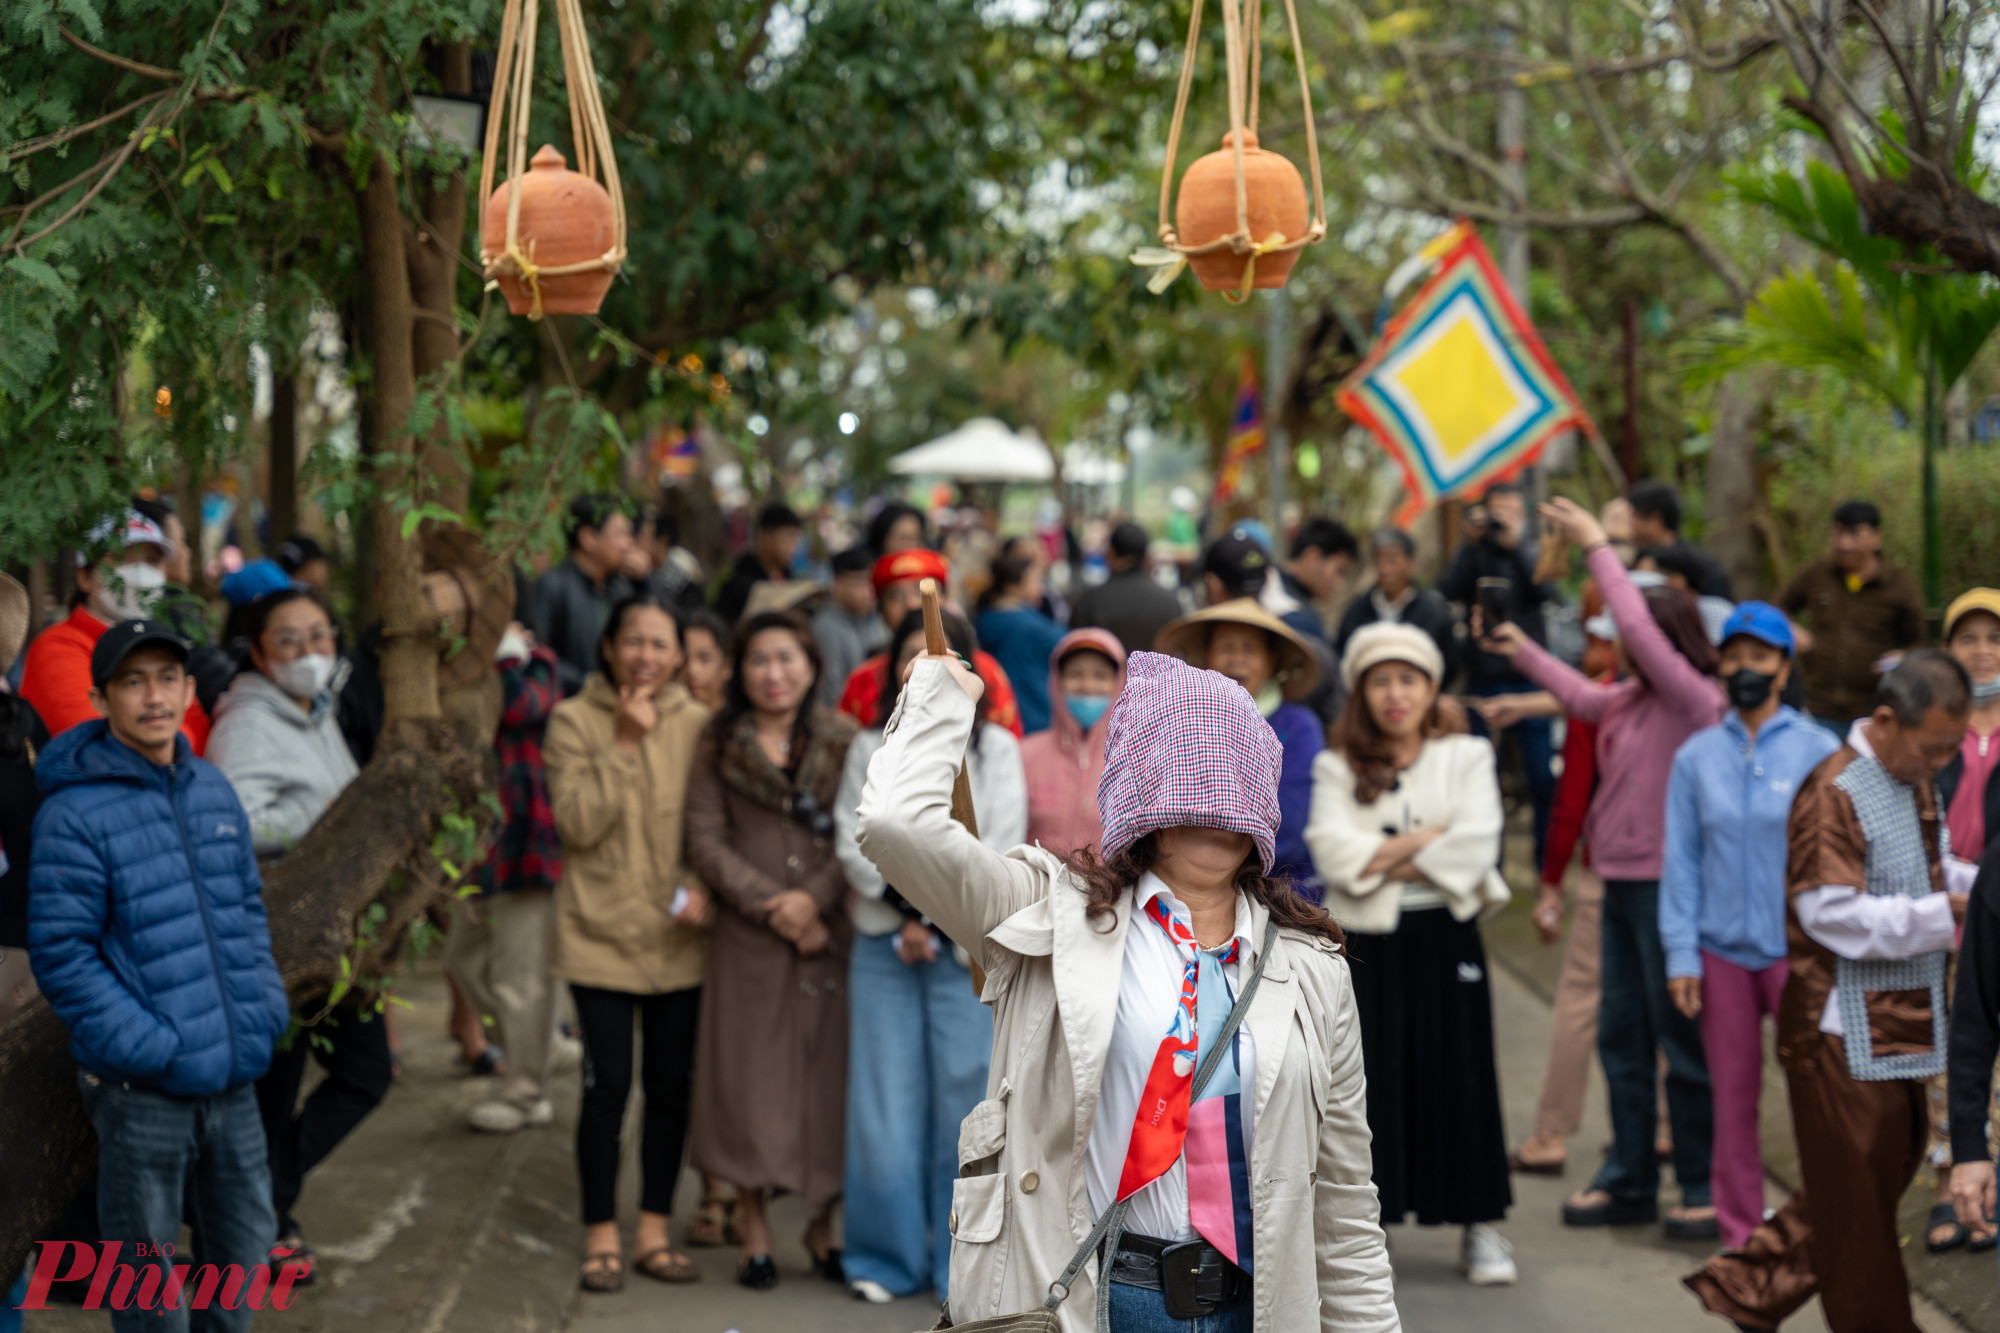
{"type": "Point", "coordinates": [56, 678]}
{"type": "Point", "coordinates": [862, 694]}
{"type": "Point", "coordinates": [1063, 763]}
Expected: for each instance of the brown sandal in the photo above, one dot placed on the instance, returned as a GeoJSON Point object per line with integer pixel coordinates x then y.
{"type": "Point", "coordinates": [707, 1229]}
{"type": "Point", "coordinates": [663, 1265]}
{"type": "Point", "coordinates": [603, 1273]}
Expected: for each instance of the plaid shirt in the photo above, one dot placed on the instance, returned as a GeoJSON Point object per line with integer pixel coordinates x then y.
{"type": "Point", "coordinates": [527, 854]}
{"type": "Point", "coordinates": [1187, 748]}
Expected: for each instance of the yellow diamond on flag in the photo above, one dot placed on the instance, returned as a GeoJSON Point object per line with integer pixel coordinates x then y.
{"type": "Point", "coordinates": [1459, 388]}
{"type": "Point", "coordinates": [1465, 393]}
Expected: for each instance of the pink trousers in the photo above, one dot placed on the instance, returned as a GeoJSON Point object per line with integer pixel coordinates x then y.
{"type": "Point", "coordinates": [1734, 1001]}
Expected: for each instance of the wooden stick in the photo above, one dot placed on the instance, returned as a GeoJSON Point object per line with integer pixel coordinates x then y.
{"type": "Point", "coordinates": [961, 786]}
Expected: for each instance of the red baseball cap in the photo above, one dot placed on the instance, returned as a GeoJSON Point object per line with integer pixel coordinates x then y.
{"type": "Point", "coordinates": [902, 566]}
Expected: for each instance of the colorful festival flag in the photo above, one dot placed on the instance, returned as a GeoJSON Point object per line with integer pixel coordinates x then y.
{"type": "Point", "coordinates": [1459, 388]}
{"type": "Point", "coordinates": [1246, 434]}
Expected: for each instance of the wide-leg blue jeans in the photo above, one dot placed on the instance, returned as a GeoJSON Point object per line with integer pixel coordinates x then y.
{"type": "Point", "coordinates": [919, 1043]}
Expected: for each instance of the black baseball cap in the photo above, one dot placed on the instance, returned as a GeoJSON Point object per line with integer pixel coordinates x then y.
{"type": "Point", "coordinates": [295, 553]}
{"type": "Point", "coordinates": [1239, 562]}
{"type": "Point", "coordinates": [127, 637]}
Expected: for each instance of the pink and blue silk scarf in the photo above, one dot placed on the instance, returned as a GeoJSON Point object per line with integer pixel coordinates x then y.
{"type": "Point", "coordinates": [1210, 1132]}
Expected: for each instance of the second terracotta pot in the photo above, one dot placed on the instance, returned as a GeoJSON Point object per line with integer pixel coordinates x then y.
{"type": "Point", "coordinates": [1206, 211]}
{"type": "Point", "coordinates": [566, 218]}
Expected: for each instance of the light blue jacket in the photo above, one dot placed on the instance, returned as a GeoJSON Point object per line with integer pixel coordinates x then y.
{"type": "Point", "coordinates": [1722, 878]}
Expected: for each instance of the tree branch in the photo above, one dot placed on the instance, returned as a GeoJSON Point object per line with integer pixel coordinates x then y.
{"type": "Point", "coordinates": [111, 58]}
{"type": "Point", "coordinates": [29, 147]}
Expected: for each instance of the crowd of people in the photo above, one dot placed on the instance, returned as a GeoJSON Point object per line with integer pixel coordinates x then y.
{"type": "Point", "coordinates": [726, 873]}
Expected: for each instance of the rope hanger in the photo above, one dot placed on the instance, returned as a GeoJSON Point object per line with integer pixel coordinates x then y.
{"type": "Point", "coordinates": [590, 137]}
{"type": "Point", "coordinates": [1243, 64]}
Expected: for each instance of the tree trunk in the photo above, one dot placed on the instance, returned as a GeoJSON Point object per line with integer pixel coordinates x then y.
{"type": "Point", "coordinates": [433, 260]}
{"type": "Point", "coordinates": [409, 641]}
{"type": "Point", "coordinates": [1732, 479]}
{"type": "Point", "coordinates": [281, 501]}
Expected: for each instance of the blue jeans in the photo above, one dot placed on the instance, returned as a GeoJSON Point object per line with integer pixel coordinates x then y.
{"type": "Point", "coordinates": [10, 1305]}
{"type": "Point", "coordinates": [1143, 1310]}
{"type": "Point", "coordinates": [160, 1156]}
{"type": "Point", "coordinates": [1537, 743]}
{"type": "Point", "coordinates": [919, 1043]}
{"type": "Point", "coordinates": [1635, 1020]}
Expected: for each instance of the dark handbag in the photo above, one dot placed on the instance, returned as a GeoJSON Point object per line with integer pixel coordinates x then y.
{"type": "Point", "coordinates": [1112, 1224]}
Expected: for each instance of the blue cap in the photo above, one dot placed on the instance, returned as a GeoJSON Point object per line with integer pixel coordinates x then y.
{"type": "Point", "coordinates": [1762, 622]}
{"type": "Point", "coordinates": [257, 579]}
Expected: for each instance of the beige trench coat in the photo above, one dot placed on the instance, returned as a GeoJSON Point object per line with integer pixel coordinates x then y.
{"type": "Point", "coordinates": [619, 815]}
{"type": "Point", "coordinates": [1019, 1206]}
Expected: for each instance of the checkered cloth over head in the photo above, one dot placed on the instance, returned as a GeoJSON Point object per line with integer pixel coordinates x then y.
{"type": "Point", "coordinates": [1187, 748]}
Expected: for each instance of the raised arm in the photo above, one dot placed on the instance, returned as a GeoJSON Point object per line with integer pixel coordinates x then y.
{"type": "Point", "coordinates": [905, 825]}
{"type": "Point", "coordinates": [1668, 674]}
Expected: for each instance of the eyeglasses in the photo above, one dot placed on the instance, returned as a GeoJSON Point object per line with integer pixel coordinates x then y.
{"type": "Point", "coordinates": [318, 640]}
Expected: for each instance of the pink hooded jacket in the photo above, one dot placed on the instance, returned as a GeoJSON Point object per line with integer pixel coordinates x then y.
{"type": "Point", "coordinates": [1063, 763]}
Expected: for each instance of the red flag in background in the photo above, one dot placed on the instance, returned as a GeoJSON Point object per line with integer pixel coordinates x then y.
{"type": "Point", "coordinates": [1246, 434]}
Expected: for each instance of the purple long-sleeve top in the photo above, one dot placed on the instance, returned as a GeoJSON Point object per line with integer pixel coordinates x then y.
{"type": "Point", "coordinates": [1300, 733]}
{"type": "Point", "coordinates": [1641, 721]}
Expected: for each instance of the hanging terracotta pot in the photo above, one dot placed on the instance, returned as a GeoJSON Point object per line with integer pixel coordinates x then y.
{"type": "Point", "coordinates": [1206, 212]}
{"type": "Point", "coordinates": [566, 219]}
{"type": "Point", "coordinates": [554, 243]}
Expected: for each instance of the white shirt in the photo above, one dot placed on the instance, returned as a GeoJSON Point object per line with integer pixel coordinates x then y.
{"type": "Point", "coordinates": [1861, 926]}
{"type": "Point", "coordinates": [1148, 990]}
{"type": "Point", "coordinates": [1392, 611]}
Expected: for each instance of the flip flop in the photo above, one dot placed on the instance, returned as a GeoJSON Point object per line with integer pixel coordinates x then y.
{"type": "Point", "coordinates": [663, 1265]}
{"type": "Point", "coordinates": [1520, 1165]}
{"type": "Point", "coordinates": [603, 1273]}
{"type": "Point", "coordinates": [1945, 1215]}
{"type": "Point", "coordinates": [706, 1231]}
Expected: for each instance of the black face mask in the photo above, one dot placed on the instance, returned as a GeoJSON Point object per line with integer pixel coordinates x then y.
{"type": "Point", "coordinates": [1749, 689]}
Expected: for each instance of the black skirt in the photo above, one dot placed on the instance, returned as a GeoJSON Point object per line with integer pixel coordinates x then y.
{"type": "Point", "coordinates": [1433, 1092]}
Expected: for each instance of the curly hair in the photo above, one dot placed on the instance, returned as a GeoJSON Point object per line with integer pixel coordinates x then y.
{"type": "Point", "coordinates": [1105, 882]}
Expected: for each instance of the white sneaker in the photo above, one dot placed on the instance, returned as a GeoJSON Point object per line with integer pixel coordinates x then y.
{"type": "Point", "coordinates": [499, 1117]}
{"type": "Point", "coordinates": [872, 1292]}
{"type": "Point", "coordinates": [1486, 1259]}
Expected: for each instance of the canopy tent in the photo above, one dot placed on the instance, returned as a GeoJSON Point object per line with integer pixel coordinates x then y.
{"type": "Point", "coordinates": [1084, 467]}
{"type": "Point", "coordinates": [983, 449]}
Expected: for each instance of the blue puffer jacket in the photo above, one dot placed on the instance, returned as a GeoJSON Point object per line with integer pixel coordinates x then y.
{"type": "Point", "coordinates": [145, 925]}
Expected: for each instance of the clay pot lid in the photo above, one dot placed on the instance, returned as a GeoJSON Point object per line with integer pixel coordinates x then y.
{"type": "Point", "coordinates": [1228, 141]}
{"type": "Point", "coordinates": [548, 159]}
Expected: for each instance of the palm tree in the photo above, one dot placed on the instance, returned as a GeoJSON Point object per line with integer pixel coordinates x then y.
{"type": "Point", "coordinates": [1898, 321]}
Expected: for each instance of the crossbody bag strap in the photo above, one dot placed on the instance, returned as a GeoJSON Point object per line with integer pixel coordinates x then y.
{"type": "Point", "coordinates": [1113, 1221]}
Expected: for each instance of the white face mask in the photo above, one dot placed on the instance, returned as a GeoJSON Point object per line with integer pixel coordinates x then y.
{"type": "Point", "coordinates": [129, 591]}
{"type": "Point", "coordinates": [304, 678]}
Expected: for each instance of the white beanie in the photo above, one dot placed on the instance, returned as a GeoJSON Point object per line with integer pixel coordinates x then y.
{"type": "Point", "coordinates": [1386, 641]}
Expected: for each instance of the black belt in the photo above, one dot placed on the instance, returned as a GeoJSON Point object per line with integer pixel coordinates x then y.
{"type": "Point", "coordinates": [1197, 1279]}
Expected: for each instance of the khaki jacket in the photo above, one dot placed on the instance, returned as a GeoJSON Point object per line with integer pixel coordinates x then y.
{"type": "Point", "coordinates": [619, 814]}
{"type": "Point", "coordinates": [1019, 1207]}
